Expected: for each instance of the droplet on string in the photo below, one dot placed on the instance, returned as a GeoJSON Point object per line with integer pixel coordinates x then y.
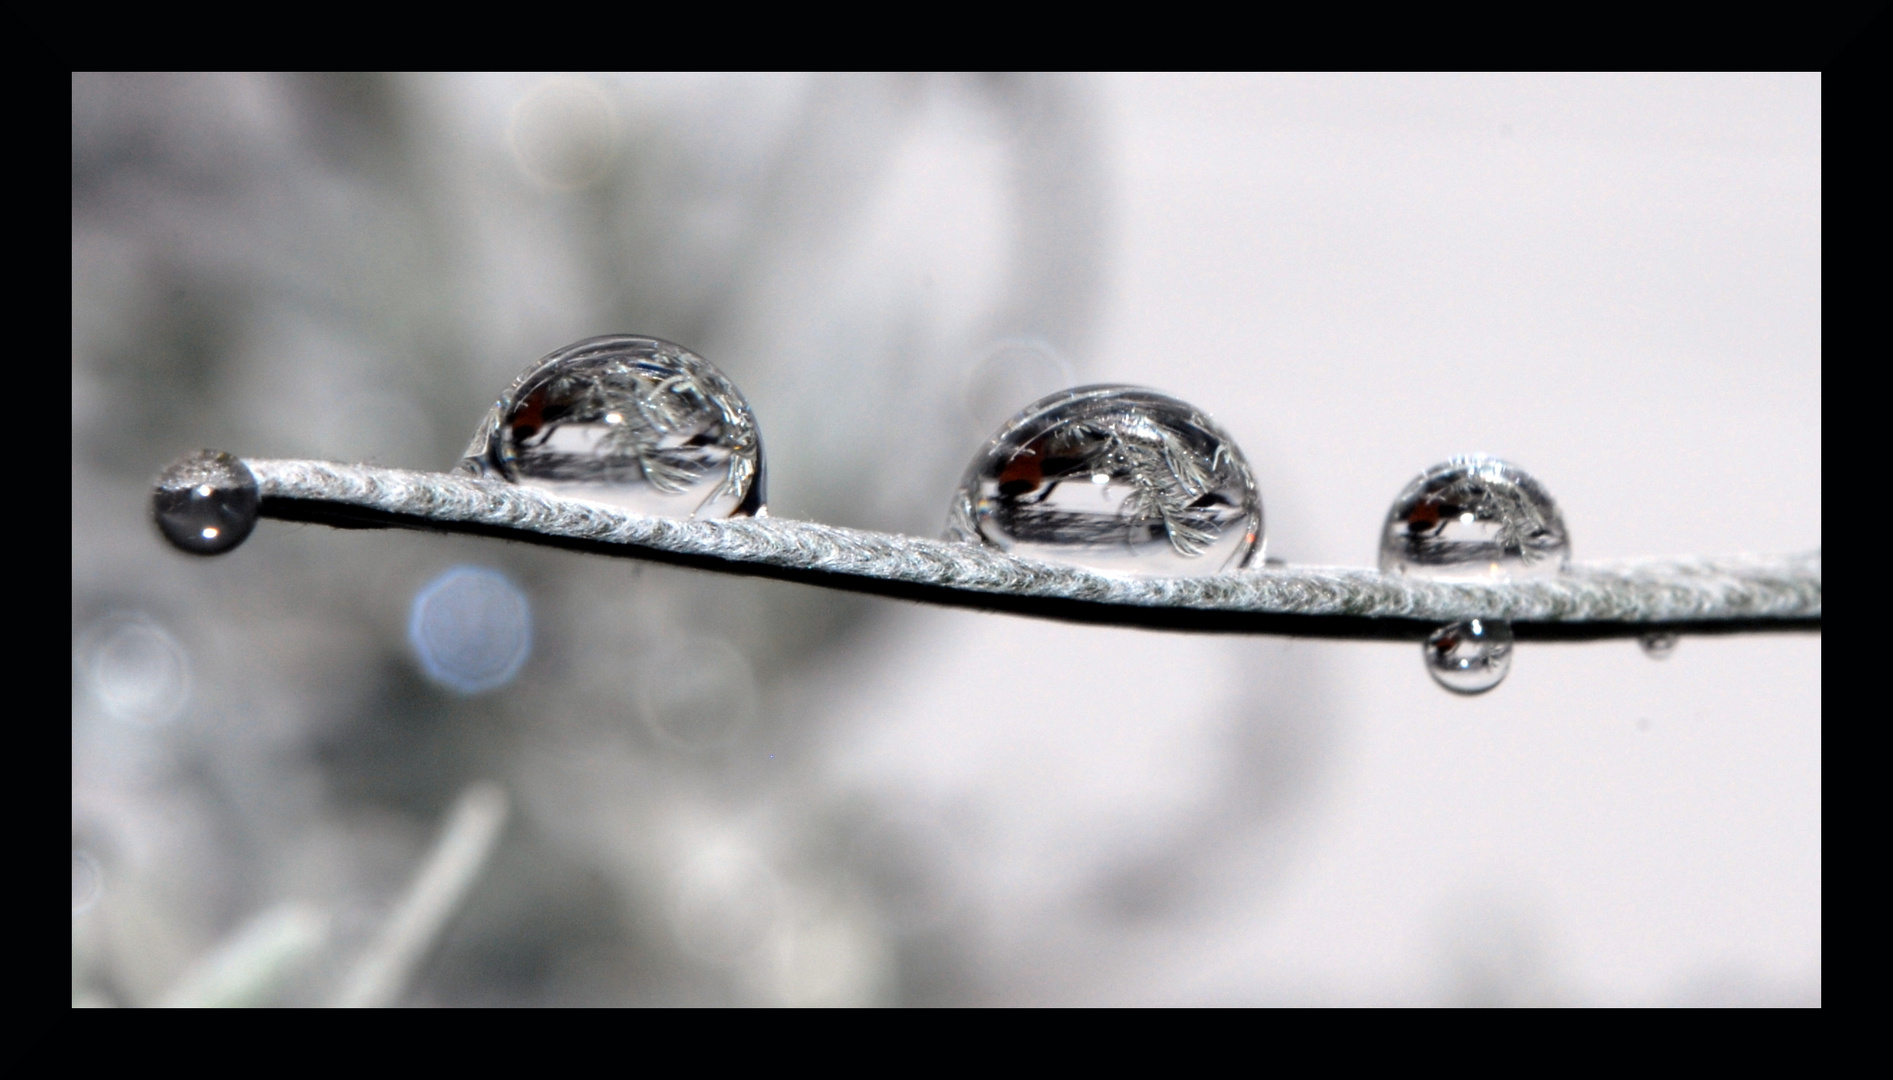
{"type": "Point", "coordinates": [206, 503]}
{"type": "Point", "coordinates": [471, 629]}
{"type": "Point", "coordinates": [1474, 518]}
{"type": "Point", "coordinates": [1659, 645]}
{"type": "Point", "coordinates": [1115, 478]}
{"type": "Point", "coordinates": [634, 422]}
{"type": "Point", "coordinates": [1469, 657]}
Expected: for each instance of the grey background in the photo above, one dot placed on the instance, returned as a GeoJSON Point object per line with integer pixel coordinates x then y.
{"type": "Point", "coordinates": [1612, 280]}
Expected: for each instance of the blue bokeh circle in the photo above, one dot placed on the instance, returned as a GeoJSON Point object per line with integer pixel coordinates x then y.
{"type": "Point", "coordinates": [471, 629]}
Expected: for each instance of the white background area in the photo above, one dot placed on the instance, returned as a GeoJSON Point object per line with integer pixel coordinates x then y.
{"type": "Point", "coordinates": [1613, 282]}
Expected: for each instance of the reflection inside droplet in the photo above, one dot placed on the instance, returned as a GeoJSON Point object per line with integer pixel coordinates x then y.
{"type": "Point", "coordinates": [634, 422]}
{"type": "Point", "coordinates": [1115, 478]}
{"type": "Point", "coordinates": [1469, 657]}
{"type": "Point", "coordinates": [1474, 517]}
{"type": "Point", "coordinates": [206, 503]}
{"type": "Point", "coordinates": [136, 668]}
{"type": "Point", "coordinates": [471, 629]}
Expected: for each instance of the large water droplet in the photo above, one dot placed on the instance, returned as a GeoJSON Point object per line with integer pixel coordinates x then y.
{"type": "Point", "coordinates": [471, 628]}
{"type": "Point", "coordinates": [1469, 657]}
{"type": "Point", "coordinates": [1474, 518]}
{"type": "Point", "coordinates": [1116, 478]}
{"type": "Point", "coordinates": [206, 503]}
{"type": "Point", "coordinates": [1659, 645]}
{"type": "Point", "coordinates": [630, 421]}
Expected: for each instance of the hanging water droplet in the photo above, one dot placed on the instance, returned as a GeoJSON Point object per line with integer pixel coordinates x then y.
{"type": "Point", "coordinates": [1469, 657]}
{"type": "Point", "coordinates": [1116, 478]}
{"type": "Point", "coordinates": [1659, 645]}
{"type": "Point", "coordinates": [1474, 518]}
{"type": "Point", "coordinates": [630, 421]}
{"type": "Point", "coordinates": [206, 503]}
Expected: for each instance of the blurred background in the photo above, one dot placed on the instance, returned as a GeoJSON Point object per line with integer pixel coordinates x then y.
{"type": "Point", "coordinates": [490, 775]}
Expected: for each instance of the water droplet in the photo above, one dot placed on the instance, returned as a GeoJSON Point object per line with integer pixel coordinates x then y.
{"type": "Point", "coordinates": [1116, 478]}
{"type": "Point", "coordinates": [471, 629]}
{"type": "Point", "coordinates": [696, 693]}
{"type": "Point", "coordinates": [1474, 518]}
{"type": "Point", "coordinates": [88, 881]}
{"type": "Point", "coordinates": [1658, 646]}
{"type": "Point", "coordinates": [136, 669]}
{"type": "Point", "coordinates": [206, 503]}
{"type": "Point", "coordinates": [1469, 657]}
{"type": "Point", "coordinates": [630, 421]}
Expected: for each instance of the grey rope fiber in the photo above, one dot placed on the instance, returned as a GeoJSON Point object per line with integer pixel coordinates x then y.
{"type": "Point", "coordinates": [1738, 594]}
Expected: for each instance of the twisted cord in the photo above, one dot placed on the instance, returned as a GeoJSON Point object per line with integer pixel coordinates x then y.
{"type": "Point", "coordinates": [1736, 594]}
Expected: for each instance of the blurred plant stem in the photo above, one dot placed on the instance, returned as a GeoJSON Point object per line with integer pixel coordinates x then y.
{"type": "Point", "coordinates": [466, 842]}
{"type": "Point", "coordinates": [252, 964]}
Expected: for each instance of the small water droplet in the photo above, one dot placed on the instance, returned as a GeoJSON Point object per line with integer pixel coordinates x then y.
{"type": "Point", "coordinates": [630, 421]}
{"type": "Point", "coordinates": [1474, 518]}
{"type": "Point", "coordinates": [88, 881]}
{"type": "Point", "coordinates": [471, 628]}
{"type": "Point", "coordinates": [1115, 478]}
{"type": "Point", "coordinates": [206, 503]}
{"type": "Point", "coordinates": [1469, 657]}
{"type": "Point", "coordinates": [1658, 646]}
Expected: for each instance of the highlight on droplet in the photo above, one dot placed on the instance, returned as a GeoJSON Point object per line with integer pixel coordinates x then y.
{"type": "Point", "coordinates": [206, 502]}
{"type": "Point", "coordinates": [632, 422]}
{"type": "Point", "coordinates": [1470, 656]}
{"type": "Point", "coordinates": [1474, 517]}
